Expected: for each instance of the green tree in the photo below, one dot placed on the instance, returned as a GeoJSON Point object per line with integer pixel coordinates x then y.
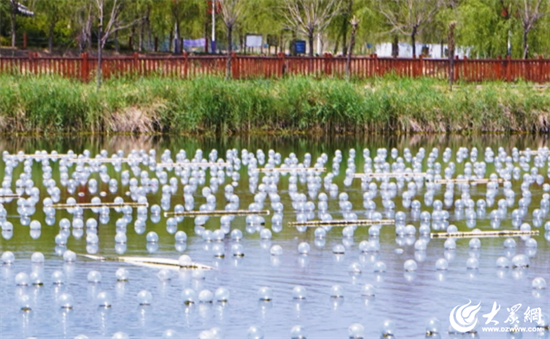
{"type": "Point", "coordinates": [53, 13]}
{"type": "Point", "coordinates": [232, 11]}
{"type": "Point", "coordinates": [309, 17]}
{"type": "Point", "coordinates": [530, 12]}
{"type": "Point", "coordinates": [409, 17]}
{"type": "Point", "coordinates": [109, 13]}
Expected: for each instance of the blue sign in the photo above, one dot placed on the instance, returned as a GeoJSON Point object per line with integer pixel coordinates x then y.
{"type": "Point", "coordinates": [300, 46]}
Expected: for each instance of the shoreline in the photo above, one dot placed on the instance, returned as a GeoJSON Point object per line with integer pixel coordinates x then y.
{"type": "Point", "coordinates": [46, 105]}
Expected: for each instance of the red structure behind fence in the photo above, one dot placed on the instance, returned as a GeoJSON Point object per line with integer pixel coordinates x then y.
{"type": "Point", "coordinates": [245, 67]}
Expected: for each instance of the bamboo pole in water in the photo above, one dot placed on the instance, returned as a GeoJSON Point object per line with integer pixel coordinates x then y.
{"type": "Point", "coordinates": [43, 156]}
{"type": "Point", "coordinates": [150, 261]}
{"type": "Point", "coordinates": [291, 169]}
{"type": "Point", "coordinates": [191, 164]}
{"type": "Point", "coordinates": [487, 234]}
{"type": "Point", "coordinates": [105, 160]}
{"type": "Point", "coordinates": [87, 205]}
{"type": "Point", "coordinates": [10, 196]}
{"type": "Point", "coordinates": [358, 222]}
{"type": "Point", "coordinates": [388, 175]}
{"type": "Point", "coordinates": [215, 213]}
{"type": "Point", "coordinates": [468, 181]}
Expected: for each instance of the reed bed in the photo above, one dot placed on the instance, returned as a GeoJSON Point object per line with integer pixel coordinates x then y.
{"type": "Point", "coordinates": [51, 104]}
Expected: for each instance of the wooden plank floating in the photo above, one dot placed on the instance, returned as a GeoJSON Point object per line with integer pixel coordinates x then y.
{"type": "Point", "coordinates": [388, 175]}
{"type": "Point", "coordinates": [87, 205]}
{"type": "Point", "coordinates": [43, 156]}
{"type": "Point", "coordinates": [192, 164]}
{"type": "Point", "coordinates": [105, 160]}
{"type": "Point", "coordinates": [149, 261]}
{"type": "Point", "coordinates": [535, 152]}
{"type": "Point", "coordinates": [215, 213]}
{"type": "Point", "coordinates": [343, 222]}
{"type": "Point", "coordinates": [487, 234]}
{"type": "Point", "coordinates": [290, 169]}
{"type": "Point", "coordinates": [468, 181]}
{"type": "Point", "coordinates": [10, 196]}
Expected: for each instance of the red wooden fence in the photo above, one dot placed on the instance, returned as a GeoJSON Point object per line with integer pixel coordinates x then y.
{"type": "Point", "coordinates": [243, 67]}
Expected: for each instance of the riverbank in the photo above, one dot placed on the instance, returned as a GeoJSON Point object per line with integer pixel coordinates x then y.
{"type": "Point", "coordinates": [292, 105]}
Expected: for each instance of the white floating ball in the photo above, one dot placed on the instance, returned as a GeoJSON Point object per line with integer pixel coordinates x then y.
{"type": "Point", "coordinates": [472, 264]}
{"type": "Point", "coordinates": [22, 279]}
{"type": "Point", "coordinates": [441, 264]}
{"type": "Point", "coordinates": [144, 298]}
{"type": "Point", "coordinates": [303, 248]}
{"type": "Point", "coordinates": [185, 260]}
{"type": "Point", "coordinates": [206, 296]}
{"type": "Point", "coordinates": [299, 292]}
{"type": "Point", "coordinates": [265, 293]}
{"type": "Point", "coordinates": [356, 331]}
{"type": "Point", "coordinates": [255, 332]}
{"type": "Point", "coordinates": [410, 265]}
{"type": "Point", "coordinates": [37, 258]}
{"type": "Point", "coordinates": [337, 291]}
{"type": "Point", "coordinates": [69, 256]}
{"type": "Point", "coordinates": [222, 294]}
{"type": "Point", "coordinates": [189, 296]}
{"type": "Point", "coordinates": [539, 283]}
{"type": "Point", "coordinates": [104, 299]}
{"type": "Point", "coordinates": [94, 277]}
{"type": "Point", "coordinates": [65, 301]}
{"type": "Point", "coordinates": [368, 290]}
{"type": "Point", "coordinates": [520, 261]}
{"type": "Point", "coordinates": [122, 274]}
{"type": "Point", "coordinates": [276, 250]}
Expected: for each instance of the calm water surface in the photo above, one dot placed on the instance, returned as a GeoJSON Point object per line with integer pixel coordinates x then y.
{"type": "Point", "coordinates": [407, 299]}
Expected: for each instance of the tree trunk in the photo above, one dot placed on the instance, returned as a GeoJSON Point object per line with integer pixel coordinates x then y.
{"type": "Point", "coordinates": [311, 38]}
{"type": "Point", "coordinates": [413, 42]}
{"type": "Point", "coordinates": [525, 43]}
{"type": "Point", "coordinates": [451, 40]}
{"type": "Point", "coordinates": [354, 24]}
{"type": "Point", "coordinates": [13, 13]}
{"type": "Point", "coordinates": [50, 36]}
{"type": "Point", "coordinates": [395, 46]}
{"type": "Point", "coordinates": [117, 44]}
{"type": "Point", "coordinates": [229, 51]}
{"type": "Point", "coordinates": [336, 44]}
{"type": "Point", "coordinates": [171, 41]}
{"type": "Point", "coordinates": [99, 52]}
{"type": "Point", "coordinates": [141, 36]}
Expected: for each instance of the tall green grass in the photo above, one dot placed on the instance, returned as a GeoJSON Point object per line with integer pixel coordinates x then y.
{"type": "Point", "coordinates": [291, 105]}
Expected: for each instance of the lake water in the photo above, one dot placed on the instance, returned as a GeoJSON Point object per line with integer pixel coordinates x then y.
{"type": "Point", "coordinates": [406, 299]}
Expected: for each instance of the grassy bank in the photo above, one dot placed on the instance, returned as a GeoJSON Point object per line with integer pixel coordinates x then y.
{"type": "Point", "coordinates": [212, 105]}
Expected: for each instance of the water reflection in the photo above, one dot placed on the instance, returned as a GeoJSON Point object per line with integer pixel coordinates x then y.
{"type": "Point", "coordinates": [425, 291]}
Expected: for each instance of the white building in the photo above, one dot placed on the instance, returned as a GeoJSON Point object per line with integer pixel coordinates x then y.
{"type": "Point", "coordinates": [434, 51]}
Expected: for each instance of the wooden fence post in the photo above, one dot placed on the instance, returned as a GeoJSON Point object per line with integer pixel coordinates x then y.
{"type": "Point", "coordinates": [84, 67]}
{"type": "Point", "coordinates": [508, 69]}
{"type": "Point", "coordinates": [136, 63]}
{"type": "Point", "coordinates": [25, 40]}
{"type": "Point", "coordinates": [498, 68]}
{"type": "Point", "coordinates": [185, 64]}
{"type": "Point", "coordinates": [31, 62]}
{"type": "Point", "coordinates": [540, 74]}
{"type": "Point", "coordinates": [234, 66]}
{"type": "Point", "coordinates": [327, 59]}
{"type": "Point", "coordinates": [282, 66]}
{"type": "Point", "coordinates": [156, 44]}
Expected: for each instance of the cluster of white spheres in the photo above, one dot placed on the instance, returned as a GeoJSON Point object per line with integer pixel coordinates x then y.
{"type": "Point", "coordinates": [266, 189]}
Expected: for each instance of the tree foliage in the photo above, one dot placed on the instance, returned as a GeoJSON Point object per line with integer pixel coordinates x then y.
{"type": "Point", "coordinates": [488, 28]}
